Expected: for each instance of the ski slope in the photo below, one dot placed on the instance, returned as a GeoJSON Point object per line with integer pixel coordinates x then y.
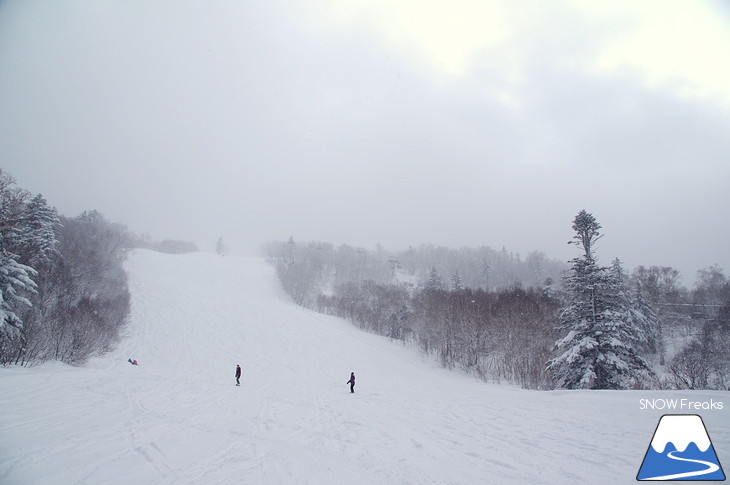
{"type": "Point", "coordinates": [178, 417]}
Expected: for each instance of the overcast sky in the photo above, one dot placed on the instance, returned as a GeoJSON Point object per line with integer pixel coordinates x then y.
{"type": "Point", "coordinates": [393, 122]}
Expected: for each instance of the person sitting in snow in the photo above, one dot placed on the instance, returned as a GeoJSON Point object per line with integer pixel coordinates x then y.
{"type": "Point", "coordinates": [133, 362]}
{"type": "Point", "coordinates": [352, 382]}
{"type": "Point", "coordinates": [238, 374]}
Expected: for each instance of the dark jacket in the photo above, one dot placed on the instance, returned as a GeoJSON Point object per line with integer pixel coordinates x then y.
{"type": "Point", "coordinates": [238, 371]}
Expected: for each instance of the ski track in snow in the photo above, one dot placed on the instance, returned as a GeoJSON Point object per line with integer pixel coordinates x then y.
{"type": "Point", "coordinates": [178, 417]}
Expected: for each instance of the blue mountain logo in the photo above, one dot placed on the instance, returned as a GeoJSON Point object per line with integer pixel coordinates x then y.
{"type": "Point", "coordinates": [681, 450]}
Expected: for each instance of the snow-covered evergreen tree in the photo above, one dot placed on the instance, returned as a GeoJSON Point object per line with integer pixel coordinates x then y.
{"type": "Point", "coordinates": [220, 247]}
{"type": "Point", "coordinates": [434, 280]}
{"type": "Point", "coordinates": [37, 232]}
{"type": "Point", "coordinates": [645, 317]}
{"type": "Point", "coordinates": [15, 281]}
{"type": "Point", "coordinates": [622, 301]}
{"type": "Point", "coordinates": [456, 284]}
{"type": "Point", "coordinates": [290, 252]}
{"type": "Point", "coordinates": [547, 288]}
{"type": "Point", "coordinates": [598, 350]}
{"type": "Point", "coordinates": [15, 277]}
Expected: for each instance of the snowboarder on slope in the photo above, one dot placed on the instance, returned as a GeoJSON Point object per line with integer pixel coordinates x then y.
{"type": "Point", "coordinates": [352, 382]}
{"type": "Point", "coordinates": [238, 374]}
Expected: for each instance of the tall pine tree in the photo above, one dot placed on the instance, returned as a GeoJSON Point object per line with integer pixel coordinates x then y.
{"type": "Point", "coordinates": [598, 350]}
{"type": "Point", "coordinates": [37, 232]}
{"type": "Point", "coordinates": [645, 318]}
{"type": "Point", "coordinates": [16, 281]}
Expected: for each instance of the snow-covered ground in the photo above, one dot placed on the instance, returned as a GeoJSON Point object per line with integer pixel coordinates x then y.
{"type": "Point", "coordinates": [178, 418]}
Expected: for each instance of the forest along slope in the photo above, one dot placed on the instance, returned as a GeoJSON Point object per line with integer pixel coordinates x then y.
{"type": "Point", "coordinates": [178, 417]}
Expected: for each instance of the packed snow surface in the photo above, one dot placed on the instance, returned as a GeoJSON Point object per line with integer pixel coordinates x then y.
{"type": "Point", "coordinates": [178, 417]}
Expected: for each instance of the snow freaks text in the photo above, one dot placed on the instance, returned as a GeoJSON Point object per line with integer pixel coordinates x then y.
{"type": "Point", "coordinates": [680, 405]}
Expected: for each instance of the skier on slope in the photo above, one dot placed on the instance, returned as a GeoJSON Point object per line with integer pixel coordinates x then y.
{"type": "Point", "coordinates": [352, 382]}
{"type": "Point", "coordinates": [238, 374]}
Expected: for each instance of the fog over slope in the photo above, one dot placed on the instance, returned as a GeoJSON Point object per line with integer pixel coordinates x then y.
{"type": "Point", "coordinates": [465, 123]}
